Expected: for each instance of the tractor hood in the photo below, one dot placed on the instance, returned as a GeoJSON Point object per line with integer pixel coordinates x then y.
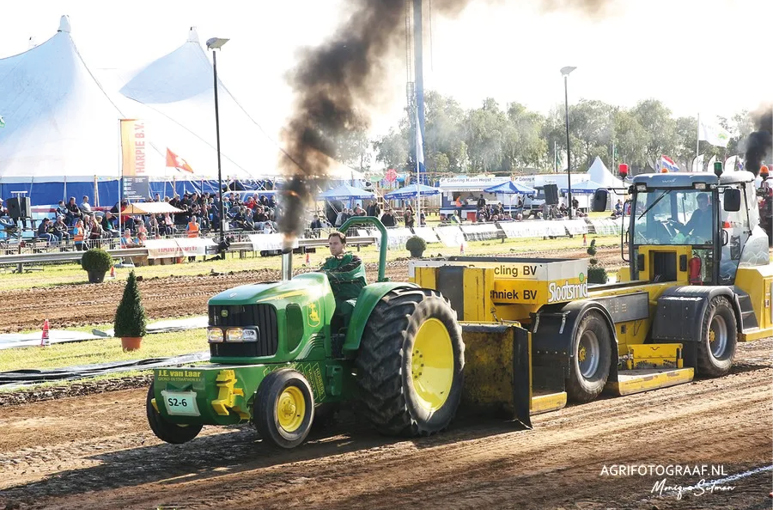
{"type": "Point", "coordinates": [305, 288]}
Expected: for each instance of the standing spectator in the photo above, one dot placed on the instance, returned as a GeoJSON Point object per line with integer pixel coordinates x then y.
{"type": "Point", "coordinates": [193, 227]}
{"type": "Point", "coordinates": [373, 209]}
{"type": "Point", "coordinates": [43, 231]}
{"type": "Point", "coordinates": [78, 232]}
{"type": "Point", "coordinates": [316, 226]}
{"type": "Point", "coordinates": [408, 217]}
{"type": "Point", "coordinates": [388, 218]}
{"type": "Point", "coordinates": [481, 202]}
{"type": "Point", "coordinates": [157, 198]}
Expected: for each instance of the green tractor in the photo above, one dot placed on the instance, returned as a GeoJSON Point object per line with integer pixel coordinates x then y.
{"type": "Point", "coordinates": [280, 354]}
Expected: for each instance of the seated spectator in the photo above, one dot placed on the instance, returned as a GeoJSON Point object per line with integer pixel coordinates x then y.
{"type": "Point", "coordinates": [108, 224]}
{"type": "Point", "coordinates": [95, 233]}
{"type": "Point", "coordinates": [141, 238]}
{"type": "Point", "coordinates": [443, 219]}
{"type": "Point", "coordinates": [73, 212]}
{"type": "Point", "coordinates": [61, 209]}
{"type": "Point", "coordinates": [6, 223]}
{"type": "Point", "coordinates": [78, 233]}
{"type": "Point", "coordinates": [154, 230]}
{"type": "Point", "coordinates": [60, 229]}
{"type": "Point", "coordinates": [168, 226]}
{"type": "Point", "coordinates": [44, 231]}
{"type": "Point", "coordinates": [85, 207]}
{"type": "Point", "coordinates": [408, 218]}
{"type": "Point", "coordinates": [126, 240]}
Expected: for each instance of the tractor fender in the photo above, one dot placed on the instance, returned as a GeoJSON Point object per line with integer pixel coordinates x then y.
{"type": "Point", "coordinates": [366, 302]}
{"type": "Point", "coordinates": [554, 329]}
{"type": "Point", "coordinates": [688, 302]}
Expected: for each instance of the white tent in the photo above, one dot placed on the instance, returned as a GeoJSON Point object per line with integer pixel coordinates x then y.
{"type": "Point", "coordinates": [62, 121]}
{"type": "Point", "coordinates": [598, 172]}
{"type": "Point", "coordinates": [59, 123]}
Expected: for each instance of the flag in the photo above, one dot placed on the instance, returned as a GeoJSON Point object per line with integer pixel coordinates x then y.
{"type": "Point", "coordinates": [712, 133]}
{"type": "Point", "coordinates": [731, 164]}
{"type": "Point", "coordinates": [668, 164]}
{"type": "Point", "coordinates": [175, 161]}
{"type": "Point", "coordinates": [2, 121]}
{"type": "Point", "coordinates": [419, 152]}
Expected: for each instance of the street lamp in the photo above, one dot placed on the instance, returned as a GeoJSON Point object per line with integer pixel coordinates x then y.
{"type": "Point", "coordinates": [566, 71]}
{"type": "Point", "coordinates": [215, 44]}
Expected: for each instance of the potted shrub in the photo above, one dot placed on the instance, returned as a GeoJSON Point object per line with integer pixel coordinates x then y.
{"type": "Point", "coordinates": [596, 273]}
{"type": "Point", "coordinates": [96, 262]}
{"type": "Point", "coordinates": [416, 245]}
{"type": "Point", "coordinates": [130, 320]}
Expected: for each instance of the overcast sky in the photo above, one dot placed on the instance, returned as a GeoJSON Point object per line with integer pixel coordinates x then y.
{"type": "Point", "coordinates": [712, 56]}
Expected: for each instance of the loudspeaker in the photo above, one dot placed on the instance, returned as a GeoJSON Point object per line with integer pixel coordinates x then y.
{"type": "Point", "coordinates": [600, 198]}
{"type": "Point", "coordinates": [19, 208]}
{"type": "Point", "coordinates": [551, 194]}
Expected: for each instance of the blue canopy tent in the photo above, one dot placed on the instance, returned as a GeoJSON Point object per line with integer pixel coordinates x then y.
{"type": "Point", "coordinates": [411, 191]}
{"type": "Point", "coordinates": [346, 192]}
{"type": "Point", "coordinates": [511, 188]}
{"type": "Point", "coordinates": [584, 188]}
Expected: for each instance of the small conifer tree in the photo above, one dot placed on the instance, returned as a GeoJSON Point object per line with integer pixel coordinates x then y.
{"type": "Point", "coordinates": [130, 318]}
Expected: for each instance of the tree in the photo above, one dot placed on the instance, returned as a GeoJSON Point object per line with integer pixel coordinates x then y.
{"type": "Point", "coordinates": [485, 133]}
{"type": "Point", "coordinates": [392, 149]}
{"type": "Point", "coordinates": [660, 127]}
{"type": "Point", "coordinates": [353, 149]}
{"type": "Point", "coordinates": [130, 319]}
{"type": "Point", "coordinates": [523, 145]}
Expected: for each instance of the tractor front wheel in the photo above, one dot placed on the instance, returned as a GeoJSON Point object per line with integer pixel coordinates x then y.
{"type": "Point", "coordinates": [410, 363]}
{"type": "Point", "coordinates": [284, 408]}
{"type": "Point", "coordinates": [720, 335]}
{"type": "Point", "coordinates": [589, 365]}
{"type": "Point", "coordinates": [166, 430]}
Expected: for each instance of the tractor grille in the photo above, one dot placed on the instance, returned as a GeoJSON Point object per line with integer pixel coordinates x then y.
{"type": "Point", "coordinates": [261, 316]}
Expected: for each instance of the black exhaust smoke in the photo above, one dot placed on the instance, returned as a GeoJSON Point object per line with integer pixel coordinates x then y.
{"type": "Point", "coordinates": [337, 84]}
{"type": "Point", "coordinates": [760, 142]}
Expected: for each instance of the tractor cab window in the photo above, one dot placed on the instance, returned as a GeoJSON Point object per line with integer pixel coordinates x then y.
{"type": "Point", "coordinates": [673, 217]}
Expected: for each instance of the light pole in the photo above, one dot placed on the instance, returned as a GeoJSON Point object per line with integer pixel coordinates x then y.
{"type": "Point", "coordinates": [215, 44]}
{"type": "Point", "coordinates": [565, 71]}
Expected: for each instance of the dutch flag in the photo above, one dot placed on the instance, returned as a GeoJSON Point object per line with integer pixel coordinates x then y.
{"type": "Point", "coordinates": [667, 164]}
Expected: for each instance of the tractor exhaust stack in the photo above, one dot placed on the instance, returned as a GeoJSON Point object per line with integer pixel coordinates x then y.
{"type": "Point", "coordinates": [287, 265]}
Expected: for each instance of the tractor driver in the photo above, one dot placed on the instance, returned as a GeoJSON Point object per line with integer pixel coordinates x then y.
{"type": "Point", "coordinates": [346, 275]}
{"type": "Point", "coordinates": [699, 225]}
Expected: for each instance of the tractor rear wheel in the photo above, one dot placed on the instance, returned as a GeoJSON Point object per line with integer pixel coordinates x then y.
{"type": "Point", "coordinates": [591, 359]}
{"type": "Point", "coordinates": [284, 408]}
{"type": "Point", "coordinates": [166, 430]}
{"type": "Point", "coordinates": [410, 363]}
{"type": "Point", "coordinates": [720, 335]}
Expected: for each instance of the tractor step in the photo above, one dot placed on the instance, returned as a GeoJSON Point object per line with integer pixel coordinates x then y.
{"type": "Point", "coordinates": [754, 334]}
{"type": "Point", "coordinates": [639, 380]}
{"type": "Point", "coordinates": [643, 356]}
{"type": "Point", "coordinates": [547, 402]}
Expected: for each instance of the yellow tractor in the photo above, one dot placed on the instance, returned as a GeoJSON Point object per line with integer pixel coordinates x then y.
{"type": "Point", "coordinates": [699, 279]}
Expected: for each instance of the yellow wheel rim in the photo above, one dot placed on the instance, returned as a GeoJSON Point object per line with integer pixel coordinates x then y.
{"type": "Point", "coordinates": [290, 409]}
{"type": "Point", "coordinates": [581, 355]}
{"type": "Point", "coordinates": [432, 368]}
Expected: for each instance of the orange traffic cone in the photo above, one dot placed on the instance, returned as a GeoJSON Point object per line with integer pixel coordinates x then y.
{"type": "Point", "coordinates": [112, 272]}
{"type": "Point", "coordinates": [44, 339]}
{"type": "Point", "coordinates": [308, 260]}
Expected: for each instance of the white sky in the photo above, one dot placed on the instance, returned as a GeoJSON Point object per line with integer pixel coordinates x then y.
{"type": "Point", "coordinates": [711, 56]}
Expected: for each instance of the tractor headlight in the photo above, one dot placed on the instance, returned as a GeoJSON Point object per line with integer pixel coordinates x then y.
{"type": "Point", "coordinates": [214, 335]}
{"type": "Point", "coordinates": [241, 335]}
{"type": "Point", "coordinates": [700, 186]}
{"type": "Point", "coordinates": [641, 187]}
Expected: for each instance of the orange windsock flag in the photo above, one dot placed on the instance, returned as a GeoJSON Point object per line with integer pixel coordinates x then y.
{"type": "Point", "coordinates": [175, 161]}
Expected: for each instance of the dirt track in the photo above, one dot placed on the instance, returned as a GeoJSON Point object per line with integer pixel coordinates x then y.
{"type": "Point", "coordinates": [98, 452]}
{"type": "Point", "coordinates": [80, 305]}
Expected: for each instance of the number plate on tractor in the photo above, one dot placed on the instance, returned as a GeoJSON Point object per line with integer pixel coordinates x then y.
{"type": "Point", "coordinates": [180, 403]}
